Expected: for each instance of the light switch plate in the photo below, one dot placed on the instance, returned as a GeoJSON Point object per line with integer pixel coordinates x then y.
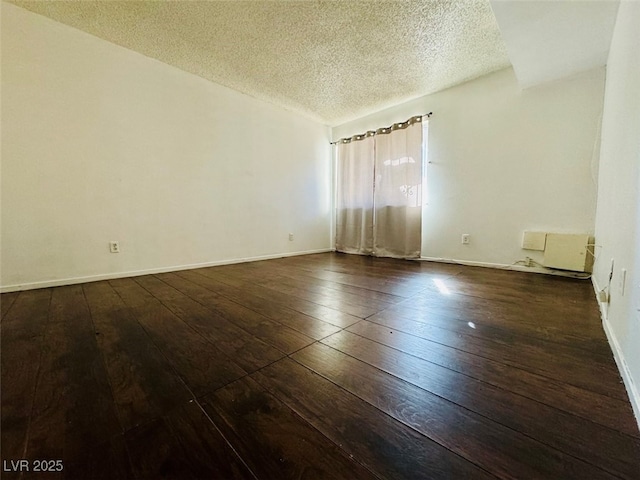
{"type": "Point", "coordinates": [622, 282]}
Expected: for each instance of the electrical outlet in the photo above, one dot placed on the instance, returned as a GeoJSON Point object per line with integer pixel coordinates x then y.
{"type": "Point", "coordinates": [465, 238]}
{"type": "Point", "coordinates": [291, 237]}
{"type": "Point", "coordinates": [114, 247]}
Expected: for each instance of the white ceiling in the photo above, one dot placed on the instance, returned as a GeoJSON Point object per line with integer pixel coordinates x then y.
{"type": "Point", "coordinates": [548, 40]}
{"type": "Point", "coordinates": [337, 60]}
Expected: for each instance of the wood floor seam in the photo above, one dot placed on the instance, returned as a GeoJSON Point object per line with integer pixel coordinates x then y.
{"type": "Point", "coordinates": [237, 323]}
{"type": "Point", "coordinates": [515, 430]}
{"type": "Point", "coordinates": [541, 373]}
{"type": "Point", "coordinates": [497, 386]}
{"type": "Point", "coordinates": [37, 377]}
{"type": "Point", "coordinates": [7, 310]}
{"type": "Point", "coordinates": [101, 353]}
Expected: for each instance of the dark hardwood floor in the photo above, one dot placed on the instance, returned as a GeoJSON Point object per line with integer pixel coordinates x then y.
{"type": "Point", "coordinates": [318, 366]}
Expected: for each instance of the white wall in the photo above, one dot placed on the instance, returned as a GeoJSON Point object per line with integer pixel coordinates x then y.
{"type": "Point", "coordinates": [100, 143]}
{"type": "Point", "coordinates": [504, 161]}
{"type": "Point", "coordinates": [618, 213]}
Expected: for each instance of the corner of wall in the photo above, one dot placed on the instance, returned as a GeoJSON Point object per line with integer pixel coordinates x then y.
{"type": "Point", "coordinates": [618, 356]}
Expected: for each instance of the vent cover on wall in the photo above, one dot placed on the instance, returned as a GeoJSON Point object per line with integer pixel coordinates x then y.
{"type": "Point", "coordinates": [568, 252]}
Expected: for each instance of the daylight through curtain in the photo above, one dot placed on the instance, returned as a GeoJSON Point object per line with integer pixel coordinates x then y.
{"type": "Point", "coordinates": [398, 193]}
{"type": "Point", "coordinates": [379, 191]}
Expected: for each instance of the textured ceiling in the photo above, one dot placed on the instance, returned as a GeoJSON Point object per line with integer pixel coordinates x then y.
{"type": "Point", "coordinates": [331, 60]}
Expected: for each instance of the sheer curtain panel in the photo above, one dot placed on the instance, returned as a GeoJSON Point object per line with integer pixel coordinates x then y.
{"type": "Point", "coordinates": [354, 206]}
{"type": "Point", "coordinates": [398, 191]}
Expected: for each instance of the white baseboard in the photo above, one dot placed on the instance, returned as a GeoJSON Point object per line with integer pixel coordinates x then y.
{"type": "Point", "coordinates": [623, 368]}
{"type": "Point", "coordinates": [506, 266]}
{"type": "Point", "coordinates": [151, 271]}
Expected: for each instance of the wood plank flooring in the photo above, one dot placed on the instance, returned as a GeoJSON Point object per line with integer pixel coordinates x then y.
{"type": "Point", "coordinates": [317, 366]}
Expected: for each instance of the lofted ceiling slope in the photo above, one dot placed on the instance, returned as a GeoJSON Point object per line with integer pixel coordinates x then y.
{"type": "Point", "coordinates": [549, 40]}
{"type": "Point", "coordinates": [332, 61]}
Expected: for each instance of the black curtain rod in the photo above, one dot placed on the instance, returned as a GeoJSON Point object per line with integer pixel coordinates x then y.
{"type": "Point", "coordinates": [378, 130]}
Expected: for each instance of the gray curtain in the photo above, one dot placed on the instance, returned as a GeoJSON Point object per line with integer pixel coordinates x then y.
{"type": "Point", "coordinates": [379, 192]}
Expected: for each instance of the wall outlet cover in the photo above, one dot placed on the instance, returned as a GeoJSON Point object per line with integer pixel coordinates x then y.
{"type": "Point", "coordinates": [534, 241]}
